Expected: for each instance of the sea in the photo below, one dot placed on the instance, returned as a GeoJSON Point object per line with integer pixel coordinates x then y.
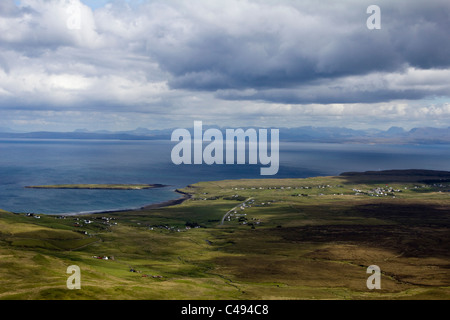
{"type": "Point", "coordinates": [27, 162]}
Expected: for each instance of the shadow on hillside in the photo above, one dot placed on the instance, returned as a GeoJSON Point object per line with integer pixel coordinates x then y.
{"type": "Point", "coordinates": [390, 176]}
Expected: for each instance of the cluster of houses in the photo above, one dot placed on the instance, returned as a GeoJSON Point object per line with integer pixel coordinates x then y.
{"type": "Point", "coordinates": [79, 222]}
{"type": "Point", "coordinates": [104, 257]}
{"type": "Point", "coordinates": [242, 217]}
{"type": "Point", "coordinates": [33, 215]}
{"type": "Point", "coordinates": [434, 185]}
{"type": "Point", "coordinates": [262, 188]}
{"type": "Point", "coordinates": [440, 185]}
{"type": "Point", "coordinates": [320, 186]}
{"type": "Point", "coordinates": [378, 192]}
{"type": "Point", "coordinates": [235, 215]}
{"type": "Point", "coordinates": [247, 204]}
{"type": "Point", "coordinates": [286, 188]}
{"type": "Point", "coordinates": [107, 220]}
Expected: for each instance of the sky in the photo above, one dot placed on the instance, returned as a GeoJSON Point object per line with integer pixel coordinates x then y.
{"type": "Point", "coordinates": [119, 65]}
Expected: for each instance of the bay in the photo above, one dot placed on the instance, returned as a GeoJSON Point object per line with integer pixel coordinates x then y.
{"type": "Point", "coordinates": [41, 162]}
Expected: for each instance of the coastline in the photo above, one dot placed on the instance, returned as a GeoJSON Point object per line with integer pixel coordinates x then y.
{"type": "Point", "coordinates": [168, 203]}
{"type": "Point", "coordinates": [185, 196]}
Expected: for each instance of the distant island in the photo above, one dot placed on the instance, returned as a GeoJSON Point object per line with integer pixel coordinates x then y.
{"type": "Point", "coordinates": [99, 186]}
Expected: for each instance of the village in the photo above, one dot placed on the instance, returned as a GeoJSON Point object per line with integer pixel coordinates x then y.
{"type": "Point", "coordinates": [379, 191]}
{"type": "Point", "coordinates": [237, 213]}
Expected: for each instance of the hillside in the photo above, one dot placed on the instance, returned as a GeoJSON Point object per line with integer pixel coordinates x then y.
{"type": "Point", "coordinates": [280, 239]}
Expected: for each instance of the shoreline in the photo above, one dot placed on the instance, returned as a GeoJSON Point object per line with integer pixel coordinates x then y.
{"type": "Point", "coordinates": [100, 186]}
{"type": "Point", "coordinates": [168, 203]}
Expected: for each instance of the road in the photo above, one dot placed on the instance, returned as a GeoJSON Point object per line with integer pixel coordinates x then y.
{"type": "Point", "coordinates": [234, 208]}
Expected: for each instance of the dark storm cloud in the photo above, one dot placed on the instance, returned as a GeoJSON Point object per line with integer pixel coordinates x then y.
{"type": "Point", "coordinates": [283, 51]}
{"type": "Point", "coordinates": [326, 96]}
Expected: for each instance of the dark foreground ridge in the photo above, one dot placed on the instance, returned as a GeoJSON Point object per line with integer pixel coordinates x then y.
{"type": "Point", "coordinates": [409, 173]}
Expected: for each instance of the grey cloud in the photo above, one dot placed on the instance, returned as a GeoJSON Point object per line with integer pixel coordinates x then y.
{"type": "Point", "coordinates": [285, 54]}
{"type": "Point", "coordinates": [200, 55]}
{"type": "Point", "coordinates": [330, 96]}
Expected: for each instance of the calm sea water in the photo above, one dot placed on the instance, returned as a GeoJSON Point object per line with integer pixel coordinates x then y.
{"type": "Point", "coordinates": [37, 162]}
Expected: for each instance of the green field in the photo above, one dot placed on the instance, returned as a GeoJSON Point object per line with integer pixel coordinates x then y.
{"type": "Point", "coordinates": [280, 239]}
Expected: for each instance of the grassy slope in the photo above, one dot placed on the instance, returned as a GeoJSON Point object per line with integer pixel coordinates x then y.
{"type": "Point", "coordinates": [300, 247]}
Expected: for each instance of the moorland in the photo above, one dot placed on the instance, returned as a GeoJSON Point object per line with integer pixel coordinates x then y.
{"type": "Point", "coordinates": [310, 238]}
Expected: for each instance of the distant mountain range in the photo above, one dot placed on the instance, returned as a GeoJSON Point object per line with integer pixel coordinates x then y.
{"type": "Point", "coordinates": [394, 135]}
{"type": "Point", "coordinates": [138, 134]}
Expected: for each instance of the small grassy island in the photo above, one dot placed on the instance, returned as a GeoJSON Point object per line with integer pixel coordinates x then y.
{"type": "Point", "coordinates": [99, 186]}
